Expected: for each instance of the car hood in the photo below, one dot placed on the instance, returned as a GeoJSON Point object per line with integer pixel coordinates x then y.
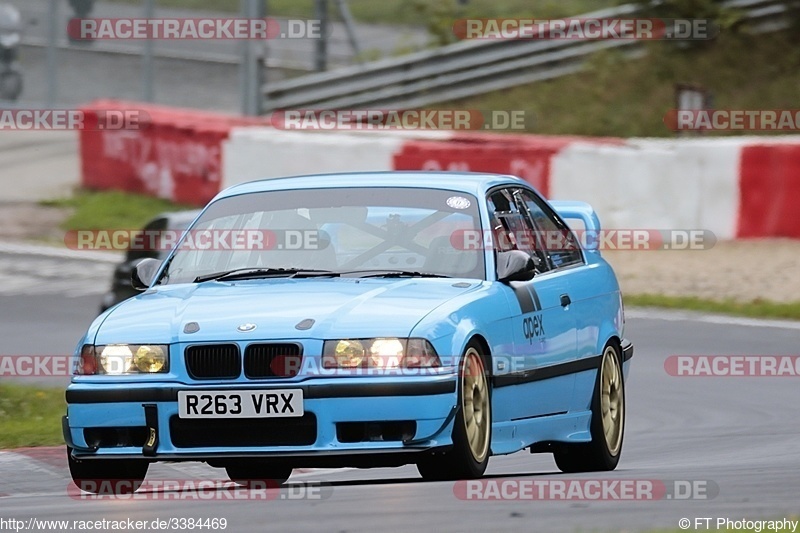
{"type": "Point", "coordinates": [339, 307]}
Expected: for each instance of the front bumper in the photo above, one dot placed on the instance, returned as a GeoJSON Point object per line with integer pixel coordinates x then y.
{"type": "Point", "coordinates": [430, 403]}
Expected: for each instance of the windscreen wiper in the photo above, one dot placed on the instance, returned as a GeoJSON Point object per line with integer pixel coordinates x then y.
{"type": "Point", "coordinates": [396, 274]}
{"type": "Point", "coordinates": [254, 273]}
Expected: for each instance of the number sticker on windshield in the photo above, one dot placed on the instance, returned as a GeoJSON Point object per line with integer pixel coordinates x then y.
{"type": "Point", "coordinates": [458, 202]}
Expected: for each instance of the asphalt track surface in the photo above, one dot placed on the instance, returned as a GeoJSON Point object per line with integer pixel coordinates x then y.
{"type": "Point", "coordinates": [738, 435]}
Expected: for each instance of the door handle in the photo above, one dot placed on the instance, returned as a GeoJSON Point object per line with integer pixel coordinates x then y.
{"type": "Point", "coordinates": [565, 300]}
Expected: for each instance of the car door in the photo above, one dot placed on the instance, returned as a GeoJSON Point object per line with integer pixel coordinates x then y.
{"type": "Point", "coordinates": [543, 327]}
{"type": "Point", "coordinates": [566, 257]}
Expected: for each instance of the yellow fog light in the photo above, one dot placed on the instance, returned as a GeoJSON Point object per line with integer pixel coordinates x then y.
{"type": "Point", "coordinates": [150, 359]}
{"type": "Point", "coordinates": [349, 353]}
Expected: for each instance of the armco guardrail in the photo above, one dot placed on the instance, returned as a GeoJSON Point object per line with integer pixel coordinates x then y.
{"type": "Point", "coordinates": [466, 68]}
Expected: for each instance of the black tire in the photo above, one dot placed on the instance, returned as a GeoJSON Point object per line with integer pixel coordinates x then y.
{"type": "Point", "coordinates": [462, 461]}
{"type": "Point", "coordinates": [107, 476]}
{"type": "Point", "coordinates": [601, 454]}
{"type": "Point", "coordinates": [245, 472]}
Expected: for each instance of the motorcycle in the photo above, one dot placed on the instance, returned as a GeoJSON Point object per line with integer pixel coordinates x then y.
{"type": "Point", "coordinates": [10, 38]}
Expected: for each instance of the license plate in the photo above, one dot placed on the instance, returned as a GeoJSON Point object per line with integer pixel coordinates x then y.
{"type": "Point", "coordinates": [241, 404]}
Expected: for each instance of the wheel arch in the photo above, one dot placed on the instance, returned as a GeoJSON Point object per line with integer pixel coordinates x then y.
{"type": "Point", "coordinates": [484, 344]}
{"type": "Point", "coordinates": [485, 349]}
{"type": "Point", "coordinates": [616, 341]}
{"type": "Point", "coordinates": [613, 340]}
{"type": "Point", "coordinates": [607, 333]}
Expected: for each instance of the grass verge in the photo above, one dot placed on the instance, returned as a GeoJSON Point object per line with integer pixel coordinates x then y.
{"type": "Point", "coordinates": [615, 96]}
{"type": "Point", "coordinates": [112, 210]}
{"type": "Point", "coordinates": [30, 416]}
{"type": "Point", "coordinates": [753, 309]}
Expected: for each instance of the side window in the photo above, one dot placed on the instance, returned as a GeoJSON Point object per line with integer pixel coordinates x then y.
{"type": "Point", "coordinates": [512, 229]}
{"type": "Point", "coordinates": [555, 237]}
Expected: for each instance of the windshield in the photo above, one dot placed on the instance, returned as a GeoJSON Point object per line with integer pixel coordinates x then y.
{"type": "Point", "coordinates": [352, 230]}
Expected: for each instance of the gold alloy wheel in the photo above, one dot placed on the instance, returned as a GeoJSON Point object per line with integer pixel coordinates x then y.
{"type": "Point", "coordinates": [475, 405]}
{"type": "Point", "coordinates": [612, 400]}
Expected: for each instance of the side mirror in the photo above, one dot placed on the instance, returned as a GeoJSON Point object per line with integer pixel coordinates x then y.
{"type": "Point", "coordinates": [144, 273]}
{"type": "Point", "coordinates": [515, 265]}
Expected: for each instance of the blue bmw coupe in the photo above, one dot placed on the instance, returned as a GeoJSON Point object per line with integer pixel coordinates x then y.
{"type": "Point", "coordinates": [370, 319]}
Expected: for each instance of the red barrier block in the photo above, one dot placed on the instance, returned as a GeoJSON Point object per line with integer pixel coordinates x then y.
{"type": "Point", "coordinates": [172, 153]}
{"type": "Point", "coordinates": [769, 188]}
{"type": "Point", "coordinates": [526, 156]}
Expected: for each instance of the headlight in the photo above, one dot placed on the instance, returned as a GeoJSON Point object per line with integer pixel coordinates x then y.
{"type": "Point", "coordinates": [119, 359]}
{"type": "Point", "coordinates": [379, 353]}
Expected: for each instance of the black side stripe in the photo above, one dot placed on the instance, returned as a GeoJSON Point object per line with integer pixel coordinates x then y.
{"type": "Point", "coordinates": [547, 372]}
{"type": "Point", "coordinates": [536, 301]}
{"type": "Point", "coordinates": [523, 295]}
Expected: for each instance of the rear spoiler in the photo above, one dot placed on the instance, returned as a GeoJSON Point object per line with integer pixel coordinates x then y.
{"type": "Point", "coordinates": [585, 213]}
